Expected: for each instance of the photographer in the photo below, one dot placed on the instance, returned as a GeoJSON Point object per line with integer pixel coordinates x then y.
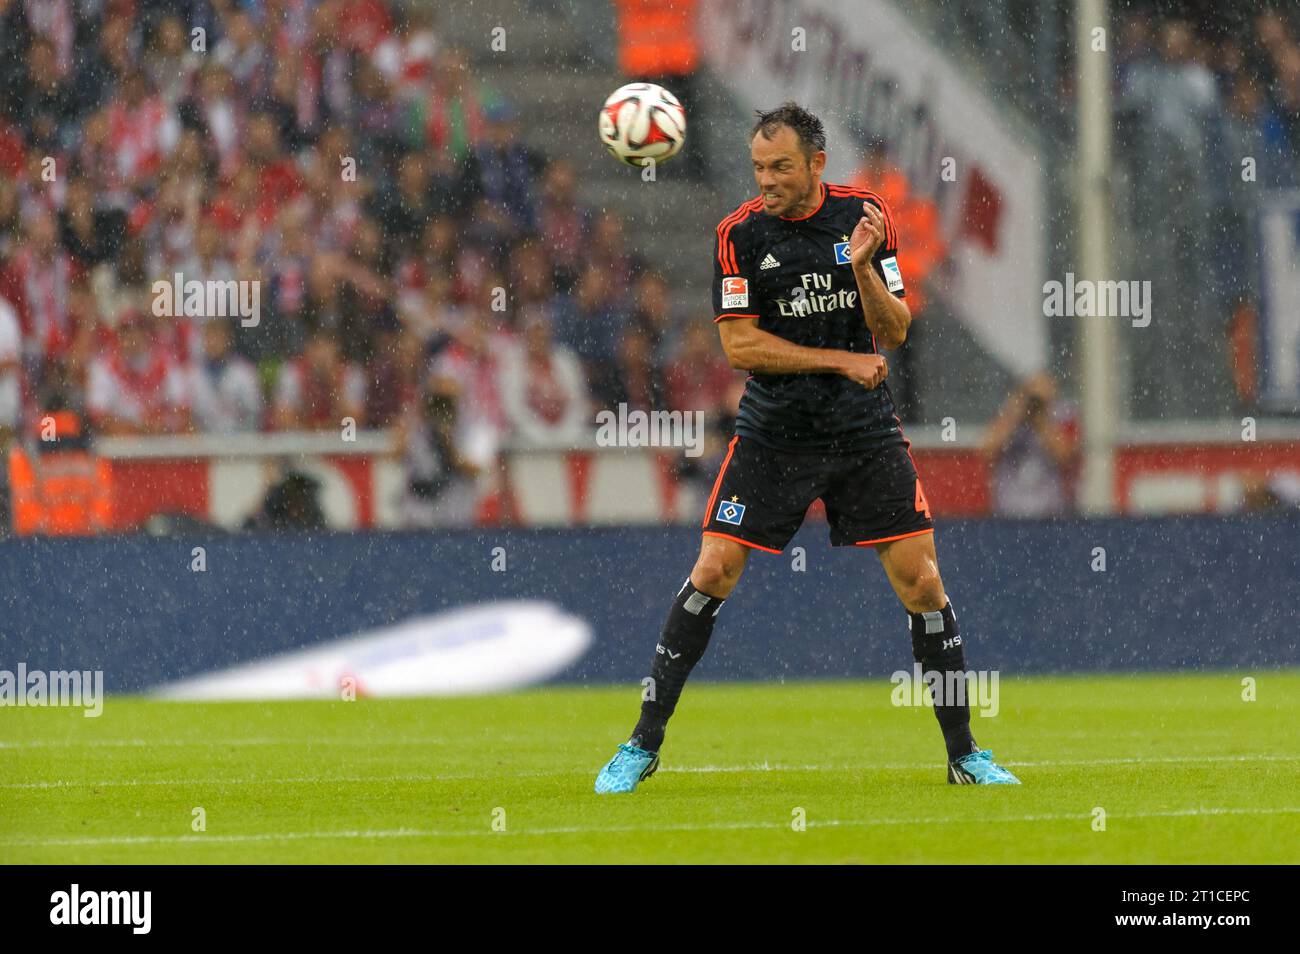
{"type": "Point", "coordinates": [441, 488]}
{"type": "Point", "coordinates": [1032, 449]}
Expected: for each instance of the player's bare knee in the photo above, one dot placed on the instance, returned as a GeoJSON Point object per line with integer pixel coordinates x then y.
{"type": "Point", "coordinates": [717, 573]}
{"type": "Point", "coordinates": [715, 576]}
{"type": "Point", "coordinates": [923, 591]}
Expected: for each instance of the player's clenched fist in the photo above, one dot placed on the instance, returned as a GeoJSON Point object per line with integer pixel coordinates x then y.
{"type": "Point", "coordinates": [869, 370]}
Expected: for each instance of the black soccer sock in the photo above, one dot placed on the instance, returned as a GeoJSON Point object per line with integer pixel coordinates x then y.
{"type": "Point", "coordinates": [685, 637]}
{"type": "Point", "coordinates": [937, 646]}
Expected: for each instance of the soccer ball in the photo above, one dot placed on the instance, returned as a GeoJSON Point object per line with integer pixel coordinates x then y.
{"type": "Point", "coordinates": [642, 123]}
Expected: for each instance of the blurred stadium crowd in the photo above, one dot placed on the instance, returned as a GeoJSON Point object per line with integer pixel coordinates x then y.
{"type": "Point", "coordinates": [412, 253]}
{"type": "Point", "coordinates": [1194, 104]}
{"type": "Point", "coordinates": [1200, 86]}
{"type": "Point", "coordinates": [421, 268]}
{"type": "Point", "coordinates": [1217, 94]}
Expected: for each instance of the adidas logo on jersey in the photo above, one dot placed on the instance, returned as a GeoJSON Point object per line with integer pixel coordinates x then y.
{"type": "Point", "coordinates": [769, 262]}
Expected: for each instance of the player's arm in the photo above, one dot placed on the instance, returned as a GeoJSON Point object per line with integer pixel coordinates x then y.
{"type": "Point", "coordinates": [887, 315]}
{"type": "Point", "coordinates": [749, 348]}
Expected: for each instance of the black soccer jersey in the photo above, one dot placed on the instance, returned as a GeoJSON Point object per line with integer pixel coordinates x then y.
{"type": "Point", "coordinates": [794, 275]}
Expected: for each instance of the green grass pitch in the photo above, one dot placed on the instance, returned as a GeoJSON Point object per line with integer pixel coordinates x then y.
{"type": "Point", "coordinates": [1184, 769]}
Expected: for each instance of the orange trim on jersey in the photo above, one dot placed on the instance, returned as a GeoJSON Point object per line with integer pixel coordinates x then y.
{"type": "Point", "coordinates": [724, 229]}
{"type": "Point", "coordinates": [908, 445]}
{"type": "Point", "coordinates": [726, 248]}
{"type": "Point", "coordinates": [727, 536]}
{"type": "Point", "coordinates": [731, 449]}
{"type": "Point", "coordinates": [901, 536]}
{"type": "Point", "coordinates": [752, 208]}
{"type": "Point", "coordinates": [800, 218]}
{"type": "Point", "coordinates": [891, 233]}
{"type": "Point", "coordinates": [731, 314]}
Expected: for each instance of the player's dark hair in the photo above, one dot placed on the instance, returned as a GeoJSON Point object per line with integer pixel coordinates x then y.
{"type": "Point", "coordinates": [809, 129]}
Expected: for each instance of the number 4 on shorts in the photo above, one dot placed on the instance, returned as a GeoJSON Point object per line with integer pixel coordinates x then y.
{"type": "Point", "coordinates": [921, 505]}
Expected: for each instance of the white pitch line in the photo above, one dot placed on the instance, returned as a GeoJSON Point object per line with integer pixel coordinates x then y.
{"type": "Point", "coordinates": [1173, 760]}
{"type": "Point", "coordinates": [350, 834]}
{"type": "Point", "coordinates": [395, 741]}
{"type": "Point", "coordinates": [293, 780]}
{"type": "Point", "coordinates": [149, 743]}
{"type": "Point", "coordinates": [681, 769]}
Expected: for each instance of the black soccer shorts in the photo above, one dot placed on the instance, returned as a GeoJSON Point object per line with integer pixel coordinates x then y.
{"type": "Point", "coordinates": [761, 495]}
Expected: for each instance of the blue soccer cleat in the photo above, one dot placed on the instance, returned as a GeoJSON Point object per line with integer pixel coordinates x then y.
{"type": "Point", "coordinates": [629, 766]}
{"type": "Point", "coordinates": [978, 768]}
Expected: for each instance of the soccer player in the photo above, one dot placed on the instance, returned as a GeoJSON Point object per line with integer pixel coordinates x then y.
{"type": "Point", "coordinates": [806, 287]}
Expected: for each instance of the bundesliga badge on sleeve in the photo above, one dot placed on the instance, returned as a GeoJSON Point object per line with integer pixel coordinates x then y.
{"type": "Point", "coordinates": [735, 293]}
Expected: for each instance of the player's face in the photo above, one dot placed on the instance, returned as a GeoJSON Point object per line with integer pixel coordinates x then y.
{"type": "Point", "coordinates": [787, 179]}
